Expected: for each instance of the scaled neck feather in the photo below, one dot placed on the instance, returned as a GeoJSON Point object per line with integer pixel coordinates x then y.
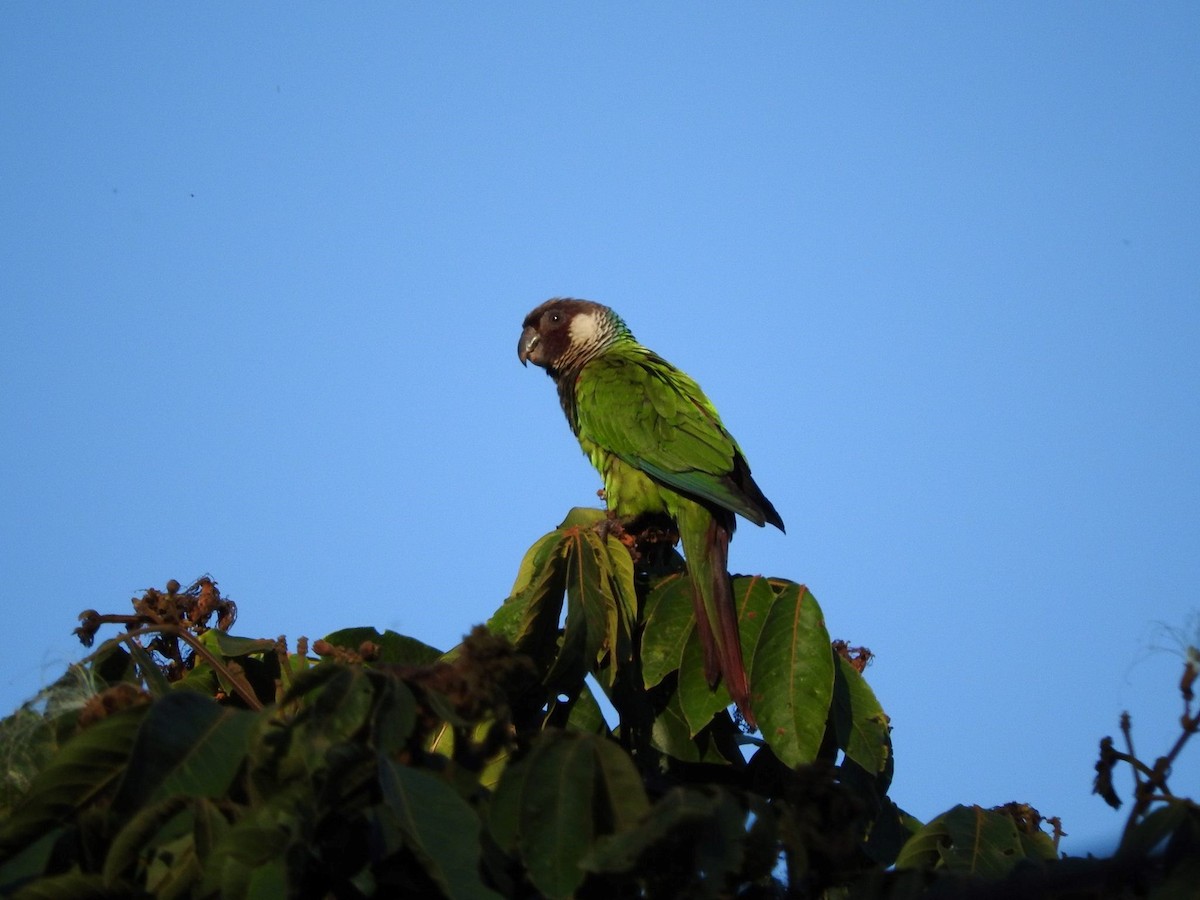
{"type": "Point", "coordinates": [593, 333]}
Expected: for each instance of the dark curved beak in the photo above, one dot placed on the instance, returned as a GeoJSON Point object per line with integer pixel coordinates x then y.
{"type": "Point", "coordinates": [527, 344]}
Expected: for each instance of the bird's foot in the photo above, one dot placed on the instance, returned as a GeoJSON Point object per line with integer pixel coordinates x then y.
{"type": "Point", "coordinates": [611, 526]}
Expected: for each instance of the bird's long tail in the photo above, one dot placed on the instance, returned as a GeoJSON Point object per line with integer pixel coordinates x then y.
{"type": "Point", "coordinates": [706, 546]}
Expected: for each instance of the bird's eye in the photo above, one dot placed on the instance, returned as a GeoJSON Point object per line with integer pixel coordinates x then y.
{"type": "Point", "coordinates": [555, 317]}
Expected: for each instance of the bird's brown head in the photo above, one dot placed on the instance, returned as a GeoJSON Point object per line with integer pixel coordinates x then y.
{"type": "Point", "coordinates": [562, 334]}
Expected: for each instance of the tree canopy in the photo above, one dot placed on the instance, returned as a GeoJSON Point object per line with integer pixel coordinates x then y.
{"type": "Point", "coordinates": [572, 747]}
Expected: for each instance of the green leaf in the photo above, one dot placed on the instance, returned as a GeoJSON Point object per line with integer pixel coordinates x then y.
{"type": "Point", "coordinates": [859, 722]}
{"type": "Point", "coordinates": [187, 744]}
{"type": "Point", "coordinates": [533, 564]}
{"type": "Point", "coordinates": [586, 714]}
{"type": "Point", "coordinates": [397, 649]}
{"type": "Point", "coordinates": [72, 886]}
{"type": "Point", "coordinates": [584, 516]}
{"type": "Point", "coordinates": [230, 646]}
{"type": "Point", "coordinates": [136, 834]}
{"type": "Point", "coordinates": [792, 675]}
{"type": "Point", "coordinates": [621, 783]}
{"type": "Point", "coordinates": [753, 596]}
{"type": "Point", "coordinates": [673, 815]}
{"type": "Point", "coordinates": [672, 735]}
{"type": "Point", "coordinates": [585, 630]}
{"type": "Point", "coordinates": [504, 810]}
{"type": "Point", "coordinates": [393, 715]}
{"type": "Point", "coordinates": [249, 859]}
{"type": "Point", "coordinates": [966, 840]}
{"type": "Point", "coordinates": [152, 675]}
{"type": "Point", "coordinates": [707, 824]}
{"type": "Point", "coordinates": [30, 862]}
{"type": "Point", "coordinates": [438, 826]}
{"type": "Point", "coordinates": [698, 702]}
{"type": "Point", "coordinates": [529, 617]}
{"type": "Point", "coordinates": [550, 804]}
{"type": "Point", "coordinates": [623, 609]}
{"type": "Point", "coordinates": [557, 822]}
{"type": "Point", "coordinates": [668, 622]}
{"type": "Point", "coordinates": [85, 768]}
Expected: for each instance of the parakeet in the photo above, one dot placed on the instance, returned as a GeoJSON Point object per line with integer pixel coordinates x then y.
{"type": "Point", "coordinates": [660, 448]}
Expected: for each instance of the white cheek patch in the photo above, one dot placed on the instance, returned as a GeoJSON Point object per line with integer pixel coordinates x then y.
{"type": "Point", "coordinates": [584, 328]}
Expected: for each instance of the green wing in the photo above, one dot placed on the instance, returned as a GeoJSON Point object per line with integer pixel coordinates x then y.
{"type": "Point", "coordinates": [654, 417]}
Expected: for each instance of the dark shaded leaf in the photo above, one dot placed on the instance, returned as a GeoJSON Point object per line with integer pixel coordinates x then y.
{"type": "Point", "coordinates": [397, 649]}
{"type": "Point", "coordinates": [967, 840]}
{"type": "Point", "coordinates": [557, 822]}
{"type": "Point", "coordinates": [72, 886]}
{"type": "Point", "coordinates": [621, 783]}
{"type": "Point", "coordinates": [1150, 832]}
{"type": "Point", "coordinates": [136, 834]}
{"type": "Point", "coordinates": [438, 826]}
{"type": "Point", "coordinates": [504, 811]}
{"type": "Point", "coordinates": [393, 714]}
{"type": "Point", "coordinates": [30, 862]}
{"type": "Point", "coordinates": [249, 859]}
{"type": "Point", "coordinates": [187, 744]}
{"type": "Point", "coordinates": [85, 768]}
{"type": "Point", "coordinates": [706, 826]}
{"type": "Point", "coordinates": [672, 735]}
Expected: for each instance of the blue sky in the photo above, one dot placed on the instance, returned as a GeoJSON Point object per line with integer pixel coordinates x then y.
{"type": "Point", "coordinates": [937, 264]}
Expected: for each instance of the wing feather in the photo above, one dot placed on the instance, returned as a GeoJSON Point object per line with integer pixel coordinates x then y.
{"type": "Point", "coordinates": [654, 417]}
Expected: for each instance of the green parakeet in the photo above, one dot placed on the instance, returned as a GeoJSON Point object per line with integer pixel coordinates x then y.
{"type": "Point", "coordinates": [660, 447]}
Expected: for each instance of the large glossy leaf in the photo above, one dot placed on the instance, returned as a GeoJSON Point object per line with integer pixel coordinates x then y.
{"type": "Point", "coordinates": [698, 702]}
{"type": "Point", "coordinates": [754, 598]}
{"type": "Point", "coordinates": [670, 641]}
{"type": "Point", "coordinates": [86, 767]}
{"type": "Point", "coordinates": [792, 675]}
{"type": "Point", "coordinates": [967, 840]}
{"type": "Point", "coordinates": [668, 622]}
{"type": "Point", "coordinates": [187, 744]}
{"type": "Point", "coordinates": [859, 720]}
{"type": "Point", "coordinates": [438, 826]}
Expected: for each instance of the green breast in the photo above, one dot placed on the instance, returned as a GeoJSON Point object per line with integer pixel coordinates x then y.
{"type": "Point", "coordinates": [628, 492]}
